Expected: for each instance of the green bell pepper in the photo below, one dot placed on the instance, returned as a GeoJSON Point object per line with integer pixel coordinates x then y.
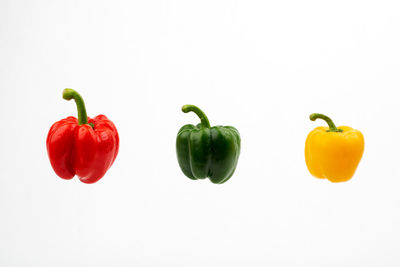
{"type": "Point", "coordinates": [205, 151]}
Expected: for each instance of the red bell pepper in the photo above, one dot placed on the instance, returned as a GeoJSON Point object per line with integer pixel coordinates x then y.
{"type": "Point", "coordinates": [84, 146]}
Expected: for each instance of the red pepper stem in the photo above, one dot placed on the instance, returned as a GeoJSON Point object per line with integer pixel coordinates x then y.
{"type": "Point", "coordinates": [69, 94]}
{"type": "Point", "coordinates": [332, 126]}
{"type": "Point", "coordinates": [204, 120]}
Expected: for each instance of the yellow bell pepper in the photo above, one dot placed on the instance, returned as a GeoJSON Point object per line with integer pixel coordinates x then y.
{"type": "Point", "coordinates": [333, 153]}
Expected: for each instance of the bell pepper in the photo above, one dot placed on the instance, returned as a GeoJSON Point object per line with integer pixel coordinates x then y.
{"type": "Point", "coordinates": [333, 153]}
{"type": "Point", "coordinates": [205, 151]}
{"type": "Point", "coordinates": [86, 147]}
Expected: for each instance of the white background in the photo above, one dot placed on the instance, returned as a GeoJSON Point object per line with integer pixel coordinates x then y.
{"type": "Point", "coordinates": [261, 66]}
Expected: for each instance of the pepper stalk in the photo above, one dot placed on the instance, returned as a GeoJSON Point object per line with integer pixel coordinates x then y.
{"type": "Point", "coordinates": [203, 118]}
{"type": "Point", "coordinates": [69, 94]}
{"type": "Point", "coordinates": [332, 126]}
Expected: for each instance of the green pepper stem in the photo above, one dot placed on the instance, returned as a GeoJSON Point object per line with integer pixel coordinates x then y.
{"type": "Point", "coordinates": [204, 120]}
{"type": "Point", "coordinates": [69, 94]}
{"type": "Point", "coordinates": [332, 126]}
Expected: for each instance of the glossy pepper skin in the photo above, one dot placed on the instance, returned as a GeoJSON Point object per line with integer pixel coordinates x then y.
{"type": "Point", "coordinates": [333, 153]}
{"type": "Point", "coordinates": [205, 151]}
{"type": "Point", "coordinates": [86, 147]}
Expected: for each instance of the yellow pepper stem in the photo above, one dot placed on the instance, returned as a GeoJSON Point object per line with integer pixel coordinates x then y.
{"type": "Point", "coordinates": [332, 126]}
